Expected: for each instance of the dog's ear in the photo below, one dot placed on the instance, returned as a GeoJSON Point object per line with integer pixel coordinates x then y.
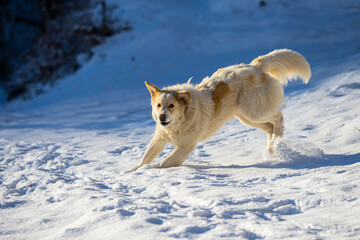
{"type": "Point", "coordinates": [183, 97]}
{"type": "Point", "coordinates": [154, 90]}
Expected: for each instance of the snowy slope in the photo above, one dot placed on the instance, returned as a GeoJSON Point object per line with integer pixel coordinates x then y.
{"type": "Point", "coordinates": [64, 154]}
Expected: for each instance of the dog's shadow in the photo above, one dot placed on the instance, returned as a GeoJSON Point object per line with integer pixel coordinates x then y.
{"type": "Point", "coordinates": [299, 162]}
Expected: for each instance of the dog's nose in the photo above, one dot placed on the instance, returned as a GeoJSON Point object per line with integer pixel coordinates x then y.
{"type": "Point", "coordinates": [162, 117]}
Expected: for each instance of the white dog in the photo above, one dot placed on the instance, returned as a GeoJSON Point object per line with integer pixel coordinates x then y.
{"type": "Point", "coordinates": [187, 114]}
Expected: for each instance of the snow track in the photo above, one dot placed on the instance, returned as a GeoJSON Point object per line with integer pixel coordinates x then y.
{"type": "Point", "coordinates": [72, 184]}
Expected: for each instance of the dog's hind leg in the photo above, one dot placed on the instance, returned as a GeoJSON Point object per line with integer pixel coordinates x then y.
{"type": "Point", "coordinates": [278, 124]}
{"type": "Point", "coordinates": [267, 127]}
{"type": "Point", "coordinates": [273, 128]}
{"type": "Point", "coordinates": [178, 156]}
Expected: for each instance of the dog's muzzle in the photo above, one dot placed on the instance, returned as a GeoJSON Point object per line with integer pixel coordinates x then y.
{"type": "Point", "coordinates": [162, 118]}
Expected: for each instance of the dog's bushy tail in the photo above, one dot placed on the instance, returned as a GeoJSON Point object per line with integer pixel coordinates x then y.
{"type": "Point", "coordinates": [284, 65]}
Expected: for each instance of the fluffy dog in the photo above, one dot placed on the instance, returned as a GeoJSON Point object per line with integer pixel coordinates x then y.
{"type": "Point", "coordinates": [186, 114]}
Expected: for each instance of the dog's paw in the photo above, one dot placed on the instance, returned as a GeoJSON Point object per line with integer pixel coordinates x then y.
{"type": "Point", "coordinates": [133, 169]}
{"type": "Point", "coordinates": [168, 164]}
{"type": "Point", "coordinates": [143, 167]}
{"type": "Point", "coordinates": [156, 165]}
{"type": "Point", "coordinates": [268, 155]}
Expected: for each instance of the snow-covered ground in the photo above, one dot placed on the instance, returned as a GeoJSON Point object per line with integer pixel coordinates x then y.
{"type": "Point", "coordinates": [63, 155]}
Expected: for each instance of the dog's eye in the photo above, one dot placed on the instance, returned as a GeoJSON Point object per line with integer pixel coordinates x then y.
{"type": "Point", "coordinates": [159, 105]}
{"type": "Point", "coordinates": [171, 105]}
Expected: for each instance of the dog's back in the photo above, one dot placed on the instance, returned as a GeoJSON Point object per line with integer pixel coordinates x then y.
{"type": "Point", "coordinates": [253, 92]}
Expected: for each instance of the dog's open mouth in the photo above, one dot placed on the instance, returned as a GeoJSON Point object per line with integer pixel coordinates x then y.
{"type": "Point", "coordinates": [165, 123]}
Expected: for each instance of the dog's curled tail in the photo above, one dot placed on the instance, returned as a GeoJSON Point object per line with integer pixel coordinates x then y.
{"type": "Point", "coordinates": [284, 65]}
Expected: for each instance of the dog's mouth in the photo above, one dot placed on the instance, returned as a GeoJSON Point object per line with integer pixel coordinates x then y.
{"type": "Point", "coordinates": [165, 123]}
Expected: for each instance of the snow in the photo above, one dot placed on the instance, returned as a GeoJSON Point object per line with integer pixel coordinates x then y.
{"type": "Point", "coordinates": [63, 155]}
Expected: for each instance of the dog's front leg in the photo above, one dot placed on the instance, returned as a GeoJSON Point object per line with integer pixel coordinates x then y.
{"type": "Point", "coordinates": [154, 148]}
{"type": "Point", "coordinates": [177, 156]}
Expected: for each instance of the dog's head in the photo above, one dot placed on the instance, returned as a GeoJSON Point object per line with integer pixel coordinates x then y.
{"type": "Point", "coordinates": [168, 107]}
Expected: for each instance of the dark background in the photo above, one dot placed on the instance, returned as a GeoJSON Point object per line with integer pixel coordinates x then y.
{"type": "Point", "coordinates": [40, 40]}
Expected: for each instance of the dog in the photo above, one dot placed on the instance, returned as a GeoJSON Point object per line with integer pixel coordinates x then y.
{"type": "Point", "coordinates": [186, 114]}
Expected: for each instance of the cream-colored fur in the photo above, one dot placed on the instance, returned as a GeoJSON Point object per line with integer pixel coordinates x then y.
{"type": "Point", "coordinates": [186, 114]}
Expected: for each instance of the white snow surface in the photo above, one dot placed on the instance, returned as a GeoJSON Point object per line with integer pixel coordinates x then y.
{"type": "Point", "coordinates": [63, 155]}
